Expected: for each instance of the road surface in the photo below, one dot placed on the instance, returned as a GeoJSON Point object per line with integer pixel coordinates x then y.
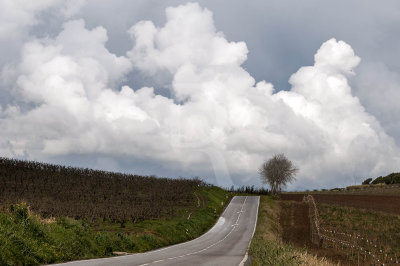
{"type": "Point", "coordinates": [224, 244]}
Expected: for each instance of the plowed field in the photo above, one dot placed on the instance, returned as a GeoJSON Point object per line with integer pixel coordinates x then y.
{"type": "Point", "coordinates": [389, 204]}
{"type": "Point", "coordinates": [295, 224]}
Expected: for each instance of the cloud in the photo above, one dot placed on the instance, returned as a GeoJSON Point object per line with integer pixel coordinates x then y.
{"type": "Point", "coordinates": [18, 20]}
{"type": "Point", "coordinates": [354, 137]}
{"type": "Point", "coordinates": [20, 13]}
{"type": "Point", "coordinates": [378, 88]}
{"type": "Point", "coordinates": [15, 15]}
{"type": "Point", "coordinates": [217, 121]}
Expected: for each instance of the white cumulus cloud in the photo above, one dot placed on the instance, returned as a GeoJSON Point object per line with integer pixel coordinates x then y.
{"type": "Point", "coordinates": [218, 120]}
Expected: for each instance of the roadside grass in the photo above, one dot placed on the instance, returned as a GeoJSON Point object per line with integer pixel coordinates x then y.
{"type": "Point", "coordinates": [267, 248]}
{"type": "Point", "coordinates": [27, 239]}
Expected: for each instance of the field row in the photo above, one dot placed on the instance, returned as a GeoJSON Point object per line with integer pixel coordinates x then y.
{"type": "Point", "coordinates": [351, 236]}
{"type": "Point", "coordinates": [52, 190]}
{"type": "Point", "coordinates": [389, 204]}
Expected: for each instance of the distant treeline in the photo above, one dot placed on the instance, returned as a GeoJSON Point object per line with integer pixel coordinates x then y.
{"type": "Point", "coordinates": [54, 190]}
{"type": "Point", "coordinates": [393, 178]}
{"type": "Point", "coordinates": [250, 190]}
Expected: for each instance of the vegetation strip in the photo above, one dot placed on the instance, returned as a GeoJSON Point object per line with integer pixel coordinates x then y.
{"type": "Point", "coordinates": [28, 239]}
{"type": "Point", "coordinates": [40, 231]}
{"type": "Point", "coordinates": [267, 247]}
{"type": "Point", "coordinates": [53, 190]}
{"type": "Point", "coordinates": [206, 248]}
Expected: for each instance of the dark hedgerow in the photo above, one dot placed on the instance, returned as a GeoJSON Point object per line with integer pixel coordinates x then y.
{"type": "Point", "coordinates": [393, 178]}
{"type": "Point", "coordinates": [367, 181]}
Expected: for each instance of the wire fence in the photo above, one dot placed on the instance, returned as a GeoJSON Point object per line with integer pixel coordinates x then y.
{"type": "Point", "coordinates": [359, 247]}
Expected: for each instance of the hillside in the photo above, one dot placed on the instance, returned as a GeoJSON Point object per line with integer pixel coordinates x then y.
{"type": "Point", "coordinates": [52, 213]}
{"type": "Point", "coordinates": [53, 190]}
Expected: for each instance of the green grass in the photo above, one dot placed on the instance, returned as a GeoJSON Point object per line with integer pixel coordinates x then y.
{"type": "Point", "coordinates": [266, 247]}
{"type": "Point", "coordinates": [27, 239]}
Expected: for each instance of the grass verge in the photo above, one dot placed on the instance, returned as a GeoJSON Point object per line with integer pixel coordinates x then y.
{"type": "Point", "coordinates": [27, 239]}
{"type": "Point", "coordinates": [267, 248]}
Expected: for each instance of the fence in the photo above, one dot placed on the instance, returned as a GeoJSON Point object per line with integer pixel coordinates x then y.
{"type": "Point", "coordinates": [359, 247]}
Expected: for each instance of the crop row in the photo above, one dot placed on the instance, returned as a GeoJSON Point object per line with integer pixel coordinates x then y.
{"type": "Point", "coordinates": [54, 190]}
{"type": "Point", "coordinates": [364, 248]}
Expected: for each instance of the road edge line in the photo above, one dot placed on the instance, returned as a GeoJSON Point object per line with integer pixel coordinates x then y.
{"type": "Point", "coordinates": [246, 256]}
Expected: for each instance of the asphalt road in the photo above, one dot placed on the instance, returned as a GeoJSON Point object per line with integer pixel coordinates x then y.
{"type": "Point", "coordinates": [224, 244]}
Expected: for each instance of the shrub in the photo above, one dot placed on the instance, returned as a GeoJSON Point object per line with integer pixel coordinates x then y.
{"type": "Point", "coordinates": [367, 181]}
{"type": "Point", "coordinates": [19, 211]}
{"type": "Point", "coordinates": [378, 180]}
{"type": "Point", "coordinates": [393, 178]}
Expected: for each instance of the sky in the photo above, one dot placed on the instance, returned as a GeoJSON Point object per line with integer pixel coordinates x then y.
{"type": "Point", "coordinates": [209, 88]}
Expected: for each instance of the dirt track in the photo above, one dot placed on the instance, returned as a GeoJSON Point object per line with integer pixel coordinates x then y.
{"type": "Point", "coordinates": [389, 204]}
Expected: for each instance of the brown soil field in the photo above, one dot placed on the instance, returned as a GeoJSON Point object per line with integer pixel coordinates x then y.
{"type": "Point", "coordinates": [295, 224]}
{"type": "Point", "coordinates": [389, 204]}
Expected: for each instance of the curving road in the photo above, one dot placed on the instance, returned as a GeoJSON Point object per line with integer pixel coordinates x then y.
{"type": "Point", "coordinates": [224, 244]}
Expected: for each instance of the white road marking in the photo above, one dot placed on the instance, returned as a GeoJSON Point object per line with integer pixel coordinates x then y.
{"type": "Point", "coordinates": [204, 249]}
{"type": "Point", "coordinates": [216, 226]}
{"type": "Point", "coordinates": [184, 243]}
{"type": "Point", "coordinates": [244, 259]}
{"type": "Point", "coordinates": [254, 230]}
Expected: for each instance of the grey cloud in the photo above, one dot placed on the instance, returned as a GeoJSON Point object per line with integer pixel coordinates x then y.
{"type": "Point", "coordinates": [215, 120]}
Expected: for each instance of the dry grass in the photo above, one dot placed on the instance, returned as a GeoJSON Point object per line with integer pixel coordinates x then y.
{"type": "Point", "coordinates": [312, 260]}
{"type": "Point", "coordinates": [267, 247]}
{"type": "Point", "coordinates": [50, 220]}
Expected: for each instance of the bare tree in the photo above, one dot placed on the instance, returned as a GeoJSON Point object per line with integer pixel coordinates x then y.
{"type": "Point", "coordinates": [277, 172]}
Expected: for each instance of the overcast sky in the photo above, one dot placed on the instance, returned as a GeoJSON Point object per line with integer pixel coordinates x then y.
{"type": "Point", "coordinates": [208, 88]}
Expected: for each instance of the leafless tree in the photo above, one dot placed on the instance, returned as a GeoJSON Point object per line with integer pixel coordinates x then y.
{"type": "Point", "coordinates": [277, 172]}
